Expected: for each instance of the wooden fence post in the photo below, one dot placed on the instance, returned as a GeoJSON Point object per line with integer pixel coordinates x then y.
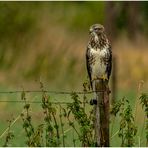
{"type": "Point", "coordinates": [101, 111]}
{"type": "Point", "coordinates": [114, 79]}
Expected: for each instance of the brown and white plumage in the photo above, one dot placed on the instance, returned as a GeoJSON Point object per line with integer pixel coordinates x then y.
{"type": "Point", "coordinates": [98, 55]}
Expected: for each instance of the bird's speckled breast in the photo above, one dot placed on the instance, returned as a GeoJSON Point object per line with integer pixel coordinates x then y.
{"type": "Point", "coordinates": [98, 65]}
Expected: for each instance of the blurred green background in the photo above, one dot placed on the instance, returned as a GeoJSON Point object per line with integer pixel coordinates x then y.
{"type": "Point", "coordinates": [47, 41]}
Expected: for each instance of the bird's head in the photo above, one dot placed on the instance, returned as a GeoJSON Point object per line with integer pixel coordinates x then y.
{"type": "Point", "coordinates": [96, 31]}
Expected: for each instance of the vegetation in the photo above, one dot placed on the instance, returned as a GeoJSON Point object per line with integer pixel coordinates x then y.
{"type": "Point", "coordinates": [9, 135]}
{"type": "Point", "coordinates": [127, 130]}
{"type": "Point", "coordinates": [74, 119]}
{"type": "Point", "coordinates": [144, 102]}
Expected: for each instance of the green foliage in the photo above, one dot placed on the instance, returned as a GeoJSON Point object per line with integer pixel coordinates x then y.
{"type": "Point", "coordinates": [86, 125]}
{"type": "Point", "coordinates": [9, 136]}
{"type": "Point", "coordinates": [144, 101]}
{"type": "Point", "coordinates": [49, 128]}
{"type": "Point", "coordinates": [62, 123]}
{"type": "Point", "coordinates": [76, 119]}
{"type": "Point", "coordinates": [52, 129]}
{"type": "Point", "coordinates": [128, 130]}
{"type": "Point", "coordinates": [27, 123]}
{"type": "Point", "coordinates": [52, 139]}
{"type": "Point", "coordinates": [116, 108]}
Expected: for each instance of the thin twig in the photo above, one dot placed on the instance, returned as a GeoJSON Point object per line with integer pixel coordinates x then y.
{"type": "Point", "coordinates": [62, 124]}
{"type": "Point", "coordinates": [72, 125]}
{"type": "Point", "coordinates": [57, 128]}
{"type": "Point", "coordinates": [114, 134]}
{"type": "Point", "coordinates": [139, 89]}
{"type": "Point", "coordinates": [74, 141]}
{"type": "Point", "coordinates": [11, 124]}
{"type": "Point", "coordinates": [143, 126]}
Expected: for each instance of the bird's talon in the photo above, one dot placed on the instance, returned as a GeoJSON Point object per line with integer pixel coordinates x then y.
{"type": "Point", "coordinates": [104, 77]}
{"type": "Point", "coordinates": [93, 102]}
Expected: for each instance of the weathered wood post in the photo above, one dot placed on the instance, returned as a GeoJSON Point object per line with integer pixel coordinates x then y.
{"type": "Point", "coordinates": [114, 79]}
{"type": "Point", "coordinates": [101, 111]}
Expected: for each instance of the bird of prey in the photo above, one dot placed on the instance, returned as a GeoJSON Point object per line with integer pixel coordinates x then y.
{"type": "Point", "coordinates": [98, 55]}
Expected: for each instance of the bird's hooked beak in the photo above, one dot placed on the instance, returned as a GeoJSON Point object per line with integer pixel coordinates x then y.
{"type": "Point", "coordinates": [93, 34]}
{"type": "Point", "coordinates": [90, 30]}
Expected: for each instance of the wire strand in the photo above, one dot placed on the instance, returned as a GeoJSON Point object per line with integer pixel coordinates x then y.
{"type": "Point", "coordinates": [14, 101]}
{"type": "Point", "coordinates": [45, 91]}
{"type": "Point", "coordinates": [48, 91]}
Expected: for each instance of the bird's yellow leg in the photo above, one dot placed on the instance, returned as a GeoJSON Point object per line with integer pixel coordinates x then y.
{"type": "Point", "coordinates": [104, 77]}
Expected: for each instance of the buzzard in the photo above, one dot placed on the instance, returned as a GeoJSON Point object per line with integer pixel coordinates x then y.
{"type": "Point", "coordinates": [98, 55]}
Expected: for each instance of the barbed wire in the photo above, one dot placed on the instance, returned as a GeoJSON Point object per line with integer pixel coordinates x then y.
{"type": "Point", "coordinates": [42, 91]}
{"type": "Point", "coordinates": [48, 91]}
{"type": "Point", "coordinates": [38, 102]}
